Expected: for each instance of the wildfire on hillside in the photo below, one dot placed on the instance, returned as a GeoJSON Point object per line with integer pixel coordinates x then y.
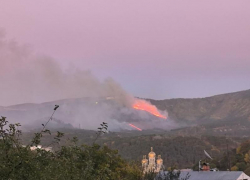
{"type": "Point", "coordinates": [146, 106]}
{"type": "Point", "coordinates": [133, 126]}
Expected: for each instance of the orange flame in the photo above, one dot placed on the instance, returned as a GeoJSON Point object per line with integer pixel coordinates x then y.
{"type": "Point", "coordinates": [145, 106]}
{"type": "Point", "coordinates": [133, 126]}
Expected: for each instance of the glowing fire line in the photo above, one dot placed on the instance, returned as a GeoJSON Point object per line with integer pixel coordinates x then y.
{"type": "Point", "coordinates": [145, 106]}
{"type": "Point", "coordinates": [135, 127]}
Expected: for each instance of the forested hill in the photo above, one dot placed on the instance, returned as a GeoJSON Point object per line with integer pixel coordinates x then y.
{"type": "Point", "coordinates": [183, 151]}
{"type": "Point", "coordinates": [219, 110]}
{"type": "Point", "coordinates": [199, 110]}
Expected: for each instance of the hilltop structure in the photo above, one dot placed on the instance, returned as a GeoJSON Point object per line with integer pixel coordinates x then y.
{"type": "Point", "coordinates": [33, 148]}
{"type": "Point", "coordinates": [150, 164]}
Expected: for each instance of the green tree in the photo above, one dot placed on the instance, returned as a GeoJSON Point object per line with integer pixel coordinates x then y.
{"type": "Point", "coordinates": [73, 161]}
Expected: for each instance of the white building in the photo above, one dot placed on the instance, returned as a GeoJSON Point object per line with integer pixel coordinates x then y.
{"type": "Point", "coordinates": [32, 148]}
{"type": "Point", "coordinates": [150, 164]}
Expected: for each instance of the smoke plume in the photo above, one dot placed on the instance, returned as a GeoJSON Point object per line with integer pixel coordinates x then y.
{"type": "Point", "coordinates": [26, 77]}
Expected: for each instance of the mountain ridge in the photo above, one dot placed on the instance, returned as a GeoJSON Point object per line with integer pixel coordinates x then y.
{"type": "Point", "coordinates": [218, 107]}
{"type": "Point", "coordinates": [230, 107]}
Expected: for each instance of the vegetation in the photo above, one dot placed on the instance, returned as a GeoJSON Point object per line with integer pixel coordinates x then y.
{"type": "Point", "coordinates": [171, 174]}
{"type": "Point", "coordinates": [68, 162]}
{"type": "Point", "coordinates": [90, 155]}
{"type": "Point", "coordinates": [237, 159]}
{"type": "Point", "coordinates": [182, 151]}
{"type": "Point", "coordinates": [71, 161]}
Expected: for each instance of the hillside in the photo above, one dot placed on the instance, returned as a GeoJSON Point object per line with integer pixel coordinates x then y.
{"type": "Point", "coordinates": [183, 151]}
{"type": "Point", "coordinates": [210, 118]}
{"type": "Point", "coordinates": [221, 111]}
{"type": "Point", "coordinates": [202, 110]}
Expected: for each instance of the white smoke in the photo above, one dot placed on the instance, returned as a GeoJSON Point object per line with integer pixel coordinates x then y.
{"type": "Point", "coordinates": [26, 77]}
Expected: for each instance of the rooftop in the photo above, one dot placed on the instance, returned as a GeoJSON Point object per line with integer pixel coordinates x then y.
{"type": "Point", "coordinates": [214, 175]}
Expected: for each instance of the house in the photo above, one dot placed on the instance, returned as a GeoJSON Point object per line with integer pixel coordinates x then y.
{"type": "Point", "coordinates": [32, 148]}
{"type": "Point", "coordinates": [215, 175]}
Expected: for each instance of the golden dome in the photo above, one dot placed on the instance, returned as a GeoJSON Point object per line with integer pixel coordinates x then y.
{"type": "Point", "coordinates": [144, 160]}
{"type": "Point", "coordinates": [159, 160]}
{"type": "Point", "coordinates": [151, 154]}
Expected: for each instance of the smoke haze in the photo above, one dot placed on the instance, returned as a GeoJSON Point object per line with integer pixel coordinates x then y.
{"type": "Point", "coordinates": [27, 77]}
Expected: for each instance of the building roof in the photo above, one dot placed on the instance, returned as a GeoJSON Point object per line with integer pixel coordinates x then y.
{"type": "Point", "coordinates": [212, 175]}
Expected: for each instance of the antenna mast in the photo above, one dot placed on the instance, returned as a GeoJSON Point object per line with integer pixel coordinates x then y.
{"type": "Point", "coordinates": [228, 158]}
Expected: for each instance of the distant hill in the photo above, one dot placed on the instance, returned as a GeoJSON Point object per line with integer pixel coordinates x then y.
{"type": "Point", "coordinates": [215, 112]}
{"type": "Point", "coordinates": [205, 110]}
{"type": "Point", "coordinates": [214, 122]}
{"type": "Point", "coordinates": [84, 113]}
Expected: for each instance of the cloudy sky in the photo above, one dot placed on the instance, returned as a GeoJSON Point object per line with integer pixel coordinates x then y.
{"type": "Point", "coordinates": [155, 49]}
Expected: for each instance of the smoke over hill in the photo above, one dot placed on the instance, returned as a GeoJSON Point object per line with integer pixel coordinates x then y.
{"type": "Point", "coordinates": [26, 76]}
{"type": "Point", "coordinates": [85, 113]}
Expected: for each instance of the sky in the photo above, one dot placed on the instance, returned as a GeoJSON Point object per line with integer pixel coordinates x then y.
{"type": "Point", "coordinates": [153, 49]}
